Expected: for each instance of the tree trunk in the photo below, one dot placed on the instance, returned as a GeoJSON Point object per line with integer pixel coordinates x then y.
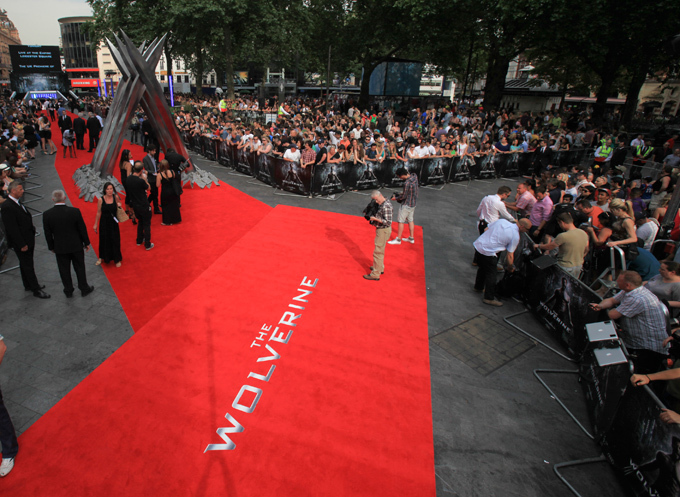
{"type": "Point", "coordinates": [364, 96]}
{"type": "Point", "coordinates": [495, 80]}
{"type": "Point", "coordinates": [634, 88]}
{"type": "Point", "coordinates": [602, 94]}
{"type": "Point", "coordinates": [198, 74]}
{"type": "Point", "coordinates": [229, 60]}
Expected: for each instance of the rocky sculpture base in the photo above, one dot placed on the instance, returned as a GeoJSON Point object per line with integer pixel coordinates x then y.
{"type": "Point", "coordinates": [91, 184]}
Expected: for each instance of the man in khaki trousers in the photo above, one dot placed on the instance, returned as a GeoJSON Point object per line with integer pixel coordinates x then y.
{"type": "Point", "coordinates": [382, 220]}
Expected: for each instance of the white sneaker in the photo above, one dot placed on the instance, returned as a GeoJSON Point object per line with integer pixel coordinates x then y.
{"type": "Point", "coordinates": [6, 466]}
{"type": "Point", "coordinates": [410, 239]}
{"type": "Point", "coordinates": [396, 241]}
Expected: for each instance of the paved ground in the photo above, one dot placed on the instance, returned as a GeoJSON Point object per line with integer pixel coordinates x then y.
{"type": "Point", "coordinates": [497, 431]}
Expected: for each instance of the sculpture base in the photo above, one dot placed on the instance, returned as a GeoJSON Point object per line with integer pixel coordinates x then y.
{"type": "Point", "coordinates": [91, 184]}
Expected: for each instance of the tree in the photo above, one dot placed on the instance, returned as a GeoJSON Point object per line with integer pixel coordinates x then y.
{"type": "Point", "coordinates": [612, 38]}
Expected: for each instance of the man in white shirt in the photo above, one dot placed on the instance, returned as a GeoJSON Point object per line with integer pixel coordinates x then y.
{"type": "Point", "coordinates": [292, 154]}
{"type": "Point", "coordinates": [499, 236]}
{"type": "Point", "coordinates": [491, 209]}
{"type": "Point", "coordinates": [422, 151]}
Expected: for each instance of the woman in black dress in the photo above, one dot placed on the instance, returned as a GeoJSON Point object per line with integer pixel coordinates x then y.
{"type": "Point", "coordinates": [169, 198]}
{"type": "Point", "coordinates": [109, 232]}
{"type": "Point", "coordinates": [125, 171]}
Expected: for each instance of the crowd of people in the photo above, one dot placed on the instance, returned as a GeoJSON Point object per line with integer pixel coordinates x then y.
{"type": "Point", "coordinates": [574, 214]}
{"type": "Point", "coordinates": [578, 215]}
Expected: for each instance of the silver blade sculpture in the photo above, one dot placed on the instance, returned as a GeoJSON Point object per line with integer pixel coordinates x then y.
{"type": "Point", "coordinates": [138, 86]}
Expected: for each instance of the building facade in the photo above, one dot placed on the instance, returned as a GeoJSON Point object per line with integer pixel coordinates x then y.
{"type": "Point", "coordinates": [80, 61]}
{"type": "Point", "coordinates": [9, 35]}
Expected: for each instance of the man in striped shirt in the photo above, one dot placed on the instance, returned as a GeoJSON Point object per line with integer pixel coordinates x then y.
{"type": "Point", "coordinates": [407, 199]}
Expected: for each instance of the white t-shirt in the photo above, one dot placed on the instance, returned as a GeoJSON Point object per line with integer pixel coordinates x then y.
{"type": "Point", "coordinates": [294, 156]}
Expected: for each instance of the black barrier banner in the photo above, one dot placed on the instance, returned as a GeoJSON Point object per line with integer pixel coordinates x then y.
{"type": "Point", "coordinates": [224, 154]}
{"type": "Point", "coordinates": [643, 448]}
{"type": "Point", "coordinates": [263, 168]}
{"type": "Point", "coordinates": [291, 177]}
{"type": "Point", "coordinates": [196, 144]}
{"type": "Point", "coordinates": [460, 168]}
{"type": "Point", "coordinates": [486, 167]}
{"type": "Point", "coordinates": [328, 178]}
{"type": "Point", "coordinates": [362, 176]}
{"type": "Point", "coordinates": [209, 145]}
{"type": "Point", "coordinates": [435, 171]}
{"type": "Point", "coordinates": [603, 387]}
{"type": "Point", "coordinates": [562, 304]}
{"type": "Point", "coordinates": [389, 171]}
{"type": "Point", "coordinates": [243, 162]}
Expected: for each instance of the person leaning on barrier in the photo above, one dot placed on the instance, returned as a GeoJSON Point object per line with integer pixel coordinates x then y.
{"type": "Point", "coordinates": [668, 416]}
{"type": "Point", "coordinates": [572, 244]}
{"type": "Point", "coordinates": [499, 236]}
{"type": "Point", "coordinates": [643, 322]}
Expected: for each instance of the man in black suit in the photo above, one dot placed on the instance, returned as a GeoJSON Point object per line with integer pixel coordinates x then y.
{"type": "Point", "coordinates": [94, 127]}
{"type": "Point", "coordinates": [65, 121]}
{"type": "Point", "coordinates": [66, 236]}
{"type": "Point", "coordinates": [542, 158]}
{"type": "Point", "coordinates": [151, 168]}
{"type": "Point", "coordinates": [136, 187]}
{"type": "Point", "coordinates": [20, 234]}
{"type": "Point", "coordinates": [79, 128]}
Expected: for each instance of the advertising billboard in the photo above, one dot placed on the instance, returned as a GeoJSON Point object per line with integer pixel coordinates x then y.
{"type": "Point", "coordinates": [31, 59]}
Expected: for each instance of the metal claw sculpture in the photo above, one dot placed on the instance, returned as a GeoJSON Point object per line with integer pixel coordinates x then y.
{"type": "Point", "coordinates": [137, 86]}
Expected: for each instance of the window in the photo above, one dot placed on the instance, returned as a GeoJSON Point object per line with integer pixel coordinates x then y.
{"type": "Point", "coordinates": [162, 77]}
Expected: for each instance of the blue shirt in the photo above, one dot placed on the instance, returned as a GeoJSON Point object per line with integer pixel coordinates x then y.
{"type": "Point", "coordinates": [645, 264]}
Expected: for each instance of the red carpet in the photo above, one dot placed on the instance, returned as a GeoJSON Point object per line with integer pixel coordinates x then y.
{"type": "Point", "coordinates": [345, 412]}
{"type": "Point", "coordinates": [212, 220]}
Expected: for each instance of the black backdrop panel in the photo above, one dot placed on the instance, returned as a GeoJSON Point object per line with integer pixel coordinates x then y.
{"type": "Point", "coordinates": [290, 177]}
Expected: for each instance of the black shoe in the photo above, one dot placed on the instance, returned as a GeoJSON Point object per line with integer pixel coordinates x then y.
{"type": "Point", "coordinates": [87, 291]}
{"type": "Point", "coordinates": [157, 211]}
{"type": "Point", "coordinates": [41, 287]}
{"type": "Point", "coordinates": [68, 294]}
{"type": "Point", "coordinates": [41, 295]}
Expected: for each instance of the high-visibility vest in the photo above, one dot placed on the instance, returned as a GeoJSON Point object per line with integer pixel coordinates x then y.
{"type": "Point", "coordinates": [281, 110]}
{"type": "Point", "coordinates": [643, 151]}
{"type": "Point", "coordinates": [605, 151]}
{"type": "Point", "coordinates": [223, 105]}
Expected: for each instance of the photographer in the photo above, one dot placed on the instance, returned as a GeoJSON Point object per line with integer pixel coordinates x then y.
{"type": "Point", "coordinates": [407, 199]}
{"type": "Point", "coordinates": [382, 220]}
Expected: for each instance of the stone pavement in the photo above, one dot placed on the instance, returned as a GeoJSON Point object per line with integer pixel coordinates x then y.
{"type": "Point", "coordinates": [497, 431]}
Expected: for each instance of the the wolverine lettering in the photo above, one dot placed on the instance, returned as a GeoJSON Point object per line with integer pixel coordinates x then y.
{"type": "Point", "coordinates": [248, 396]}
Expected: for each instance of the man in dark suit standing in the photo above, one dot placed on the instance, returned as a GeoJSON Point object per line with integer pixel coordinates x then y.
{"type": "Point", "coordinates": [79, 128]}
{"type": "Point", "coordinates": [151, 168]}
{"type": "Point", "coordinates": [136, 187]}
{"type": "Point", "coordinates": [66, 236]}
{"type": "Point", "coordinates": [94, 127]}
{"type": "Point", "coordinates": [20, 234]}
{"type": "Point", "coordinates": [542, 158]}
{"type": "Point", "coordinates": [65, 121]}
